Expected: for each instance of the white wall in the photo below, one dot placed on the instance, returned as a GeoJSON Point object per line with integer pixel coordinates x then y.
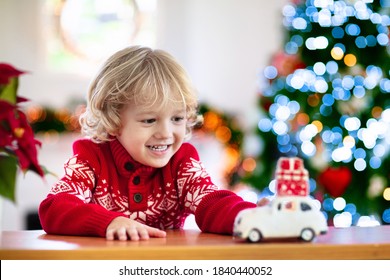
{"type": "Point", "coordinates": [222, 44]}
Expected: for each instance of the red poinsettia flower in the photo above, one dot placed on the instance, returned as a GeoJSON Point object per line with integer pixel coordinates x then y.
{"type": "Point", "coordinates": [5, 135]}
{"type": "Point", "coordinates": [19, 138]}
{"type": "Point", "coordinates": [16, 135]}
{"type": "Point", "coordinates": [7, 72]}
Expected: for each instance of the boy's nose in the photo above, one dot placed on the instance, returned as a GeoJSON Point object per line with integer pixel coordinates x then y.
{"type": "Point", "coordinates": [164, 130]}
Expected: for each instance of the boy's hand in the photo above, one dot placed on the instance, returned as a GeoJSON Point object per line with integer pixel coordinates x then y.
{"type": "Point", "coordinates": [122, 228]}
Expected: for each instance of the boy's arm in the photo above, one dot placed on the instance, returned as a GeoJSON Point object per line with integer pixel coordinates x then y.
{"type": "Point", "coordinates": [68, 209]}
{"type": "Point", "coordinates": [66, 214]}
{"type": "Point", "coordinates": [217, 211]}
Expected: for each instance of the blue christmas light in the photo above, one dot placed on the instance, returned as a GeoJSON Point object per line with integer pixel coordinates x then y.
{"type": "Point", "coordinates": [327, 136]}
{"type": "Point", "coordinates": [341, 46]}
{"type": "Point", "coordinates": [297, 39]}
{"type": "Point", "coordinates": [327, 204]}
{"type": "Point", "coordinates": [280, 127]}
{"type": "Point", "coordinates": [325, 110]}
{"type": "Point", "coordinates": [382, 29]}
{"type": "Point", "coordinates": [285, 149]}
{"type": "Point", "coordinates": [385, 85]}
{"type": "Point", "coordinates": [361, 42]}
{"type": "Point", "coordinates": [386, 215]}
{"type": "Point", "coordinates": [283, 139]}
{"type": "Point", "coordinates": [282, 100]}
{"type": "Point", "coordinates": [325, 18]}
{"type": "Point", "coordinates": [328, 99]}
{"type": "Point", "coordinates": [371, 41]}
{"type": "Point", "coordinates": [319, 68]}
{"type": "Point", "coordinates": [291, 48]}
{"type": "Point", "coordinates": [358, 80]}
{"type": "Point", "coordinates": [339, 93]}
{"type": "Point", "coordinates": [337, 32]}
{"type": "Point", "coordinates": [352, 29]}
{"type": "Point", "coordinates": [379, 150]}
{"type": "Point", "coordinates": [352, 123]}
{"type": "Point", "coordinates": [294, 107]}
{"type": "Point", "coordinates": [359, 153]}
{"type": "Point", "coordinates": [265, 125]}
{"type": "Point", "coordinates": [383, 39]}
{"type": "Point", "coordinates": [288, 11]}
{"type": "Point", "coordinates": [337, 136]}
{"type": "Point", "coordinates": [360, 164]}
{"type": "Point", "coordinates": [311, 11]}
{"type": "Point", "coordinates": [375, 162]}
{"type": "Point", "coordinates": [299, 23]}
{"type": "Point", "coordinates": [308, 148]}
{"type": "Point", "coordinates": [312, 185]}
{"type": "Point", "coordinates": [270, 72]}
{"type": "Point", "coordinates": [348, 82]}
{"type": "Point", "coordinates": [351, 208]}
{"type": "Point", "coordinates": [359, 91]}
{"type": "Point", "coordinates": [376, 18]}
{"type": "Point", "coordinates": [332, 67]}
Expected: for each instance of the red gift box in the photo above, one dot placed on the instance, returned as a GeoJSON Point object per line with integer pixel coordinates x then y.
{"type": "Point", "coordinates": [291, 177]}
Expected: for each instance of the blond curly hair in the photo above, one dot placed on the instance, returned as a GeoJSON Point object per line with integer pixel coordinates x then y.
{"type": "Point", "coordinates": [135, 74]}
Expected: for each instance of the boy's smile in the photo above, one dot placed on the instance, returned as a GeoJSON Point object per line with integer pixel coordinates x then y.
{"type": "Point", "coordinates": [152, 135]}
{"type": "Point", "coordinates": [158, 148]}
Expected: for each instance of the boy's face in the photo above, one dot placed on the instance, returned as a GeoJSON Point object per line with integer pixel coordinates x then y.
{"type": "Point", "coordinates": [152, 135]}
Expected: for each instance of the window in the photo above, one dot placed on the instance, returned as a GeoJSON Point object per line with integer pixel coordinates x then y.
{"type": "Point", "coordinates": [82, 33]}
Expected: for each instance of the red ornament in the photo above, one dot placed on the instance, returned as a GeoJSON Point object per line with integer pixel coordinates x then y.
{"type": "Point", "coordinates": [287, 63]}
{"type": "Point", "coordinates": [265, 103]}
{"type": "Point", "coordinates": [335, 180]}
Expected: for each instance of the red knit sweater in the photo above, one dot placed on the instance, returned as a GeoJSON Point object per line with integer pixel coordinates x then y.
{"type": "Point", "coordinates": [102, 182]}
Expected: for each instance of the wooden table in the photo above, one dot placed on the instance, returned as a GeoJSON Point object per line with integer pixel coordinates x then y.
{"type": "Point", "coordinates": [339, 243]}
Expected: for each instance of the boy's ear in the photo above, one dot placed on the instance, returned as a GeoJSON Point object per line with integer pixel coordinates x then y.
{"type": "Point", "coordinates": [116, 133]}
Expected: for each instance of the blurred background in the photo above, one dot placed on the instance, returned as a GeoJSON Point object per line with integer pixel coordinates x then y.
{"type": "Point", "coordinates": [306, 79]}
{"type": "Point", "coordinates": [222, 44]}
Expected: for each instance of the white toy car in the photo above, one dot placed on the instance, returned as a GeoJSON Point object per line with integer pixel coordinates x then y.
{"type": "Point", "coordinates": [283, 217]}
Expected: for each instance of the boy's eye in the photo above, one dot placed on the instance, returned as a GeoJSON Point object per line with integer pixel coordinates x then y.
{"type": "Point", "coordinates": [178, 119]}
{"type": "Point", "coordinates": [149, 121]}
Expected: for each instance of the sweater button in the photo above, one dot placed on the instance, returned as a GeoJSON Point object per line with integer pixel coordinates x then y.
{"type": "Point", "coordinates": [136, 180]}
{"type": "Point", "coordinates": [129, 166]}
{"type": "Point", "coordinates": [137, 197]}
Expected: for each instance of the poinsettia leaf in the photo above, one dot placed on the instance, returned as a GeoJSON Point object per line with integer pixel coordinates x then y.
{"type": "Point", "coordinates": [8, 166]}
{"type": "Point", "coordinates": [9, 91]}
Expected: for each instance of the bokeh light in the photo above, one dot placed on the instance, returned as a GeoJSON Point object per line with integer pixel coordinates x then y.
{"type": "Point", "coordinates": [350, 60]}
{"type": "Point", "coordinates": [337, 53]}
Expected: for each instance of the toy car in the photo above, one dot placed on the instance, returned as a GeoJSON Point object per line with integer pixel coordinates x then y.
{"type": "Point", "coordinates": [283, 217]}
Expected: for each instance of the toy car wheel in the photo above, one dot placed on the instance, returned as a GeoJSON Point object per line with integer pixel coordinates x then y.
{"type": "Point", "coordinates": [307, 234]}
{"type": "Point", "coordinates": [254, 236]}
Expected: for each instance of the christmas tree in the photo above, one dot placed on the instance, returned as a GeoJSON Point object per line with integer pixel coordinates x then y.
{"type": "Point", "coordinates": [325, 98]}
